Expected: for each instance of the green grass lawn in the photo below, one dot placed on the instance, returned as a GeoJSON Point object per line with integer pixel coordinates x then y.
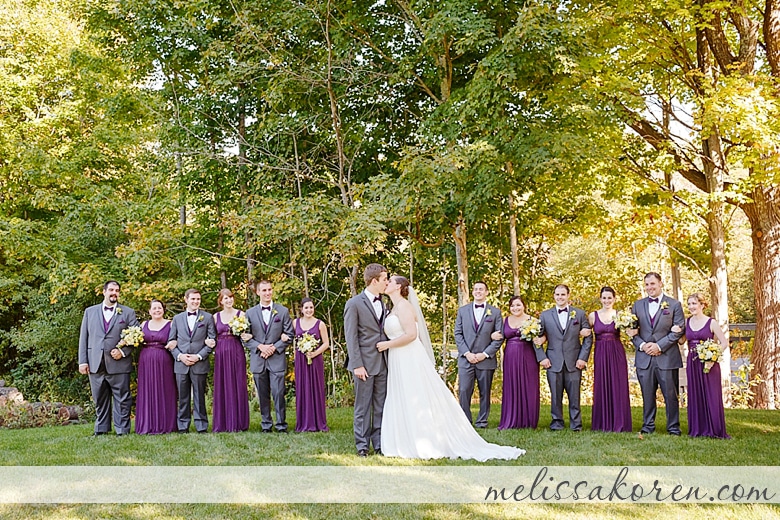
{"type": "Point", "coordinates": [756, 442]}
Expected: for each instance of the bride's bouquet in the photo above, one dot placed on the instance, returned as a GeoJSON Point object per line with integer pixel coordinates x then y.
{"type": "Point", "coordinates": [709, 353]}
{"type": "Point", "coordinates": [239, 324]}
{"type": "Point", "coordinates": [625, 320]}
{"type": "Point", "coordinates": [306, 343]}
{"type": "Point", "coordinates": [530, 329]}
{"type": "Point", "coordinates": [132, 336]}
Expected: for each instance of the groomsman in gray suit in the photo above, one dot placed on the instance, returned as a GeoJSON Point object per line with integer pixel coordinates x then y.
{"type": "Point", "coordinates": [477, 351]}
{"type": "Point", "coordinates": [566, 356]}
{"type": "Point", "coordinates": [190, 342]}
{"type": "Point", "coordinates": [658, 359]}
{"type": "Point", "coordinates": [269, 322]}
{"type": "Point", "coordinates": [364, 319]}
{"type": "Point", "coordinates": [104, 357]}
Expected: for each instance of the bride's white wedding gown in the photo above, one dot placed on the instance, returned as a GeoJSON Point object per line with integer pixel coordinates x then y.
{"type": "Point", "coordinates": [422, 419]}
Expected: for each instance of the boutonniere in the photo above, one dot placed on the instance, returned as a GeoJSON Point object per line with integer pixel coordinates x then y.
{"type": "Point", "coordinates": [664, 305]}
{"type": "Point", "coordinates": [274, 312]}
{"type": "Point", "coordinates": [488, 312]}
{"type": "Point", "coordinates": [200, 318]}
{"type": "Point", "coordinates": [573, 314]}
{"type": "Point", "coordinates": [118, 310]}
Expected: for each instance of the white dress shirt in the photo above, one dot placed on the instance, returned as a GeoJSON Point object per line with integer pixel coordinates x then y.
{"type": "Point", "coordinates": [563, 317]}
{"type": "Point", "coordinates": [377, 304]}
{"type": "Point", "coordinates": [479, 312]}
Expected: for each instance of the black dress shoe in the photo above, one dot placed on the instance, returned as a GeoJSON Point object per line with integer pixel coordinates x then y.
{"type": "Point", "coordinates": [266, 430]}
{"type": "Point", "coordinates": [184, 431]}
{"type": "Point", "coordinates": [362, 453]}
{"type": "Point", "coordinates": [281, 431]}
{"type": "Point", "coordinates": [675, 433]}
{"type": "Point", "coordinates": [379, 452]}
{"type": "Point", "coordinates": [202, 431]}
{"type": "Point", "coordinates": [98, 433]}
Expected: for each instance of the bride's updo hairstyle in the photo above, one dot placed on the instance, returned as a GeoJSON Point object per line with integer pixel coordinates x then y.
{"type": "Point", "coordinates": [404, 283]}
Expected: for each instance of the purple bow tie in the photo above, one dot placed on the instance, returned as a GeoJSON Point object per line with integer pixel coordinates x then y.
{"type": "Point", "coordinates": [109, 309]}
{"type": "Point", "coordinates": [192, 313]}
{"type": "Point", "coordinates": [377, 298]}
{"type": "Point", "coordinates": [562, 310]}
{"type": "Point", "coordinates": [479, 305]}
{"type": "Point", "coordinates": [265, 308]}
{"type": "Point", "coordinates": [653, 300]}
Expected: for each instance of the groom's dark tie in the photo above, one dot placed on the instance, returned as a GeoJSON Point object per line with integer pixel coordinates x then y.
{"type": "Point", "coordinates": [653, 300]}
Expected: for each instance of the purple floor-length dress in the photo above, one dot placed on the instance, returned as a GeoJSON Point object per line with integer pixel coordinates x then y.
{"type": "Point", "coordinates": [155, 409]}
{"type": "Point", "coordinates": [309, 387]}
{"type": "Point", "coordinates": [705, 400]}
{"type": "Point", "coordinates": [231, 399]}
{"type": "Point", "coordinates": [611, 404]}
{"type": "Point", "coordinates": [520, 401]}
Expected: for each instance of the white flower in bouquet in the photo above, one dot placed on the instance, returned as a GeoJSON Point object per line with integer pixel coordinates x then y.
{"type": "Point", "coordinates": [530, 329]}
{"type": "Point", "coordinates": [306, 343]}
{"type": "Point", "coordinates": [239, 324]}
{"type": "Point", "coordinates": [132, 336]}
{"type": "Point", "coordinates": [709, 353]}
{"type": "Point", "coordinates": [625, 320]}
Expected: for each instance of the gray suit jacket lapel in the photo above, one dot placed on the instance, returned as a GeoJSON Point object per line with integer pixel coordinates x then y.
{"type": "Point", "coordinates": [370, 306]}
{"type": "Point", "coordinates": [113, 318]}
{"type": "Point", "coordinates": [554, 313]}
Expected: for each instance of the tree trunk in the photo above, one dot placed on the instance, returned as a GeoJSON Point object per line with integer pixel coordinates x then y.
{"type": "Point", "coordinates": [764, 216]}
{"type": "Point", "coordinates": [353, 274]}
{"type": "Point", "coordinates": [459, 234]}
{"type": "Point", "coordinates": [513, 247]}
{"type": "Point", "coordinates": [513, 237]}
{"type": "Point", "coordinates": [714, 168]}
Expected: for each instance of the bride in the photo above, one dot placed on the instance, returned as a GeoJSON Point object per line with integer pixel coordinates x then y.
{"type": "Point", "coordinates": [422, 419]}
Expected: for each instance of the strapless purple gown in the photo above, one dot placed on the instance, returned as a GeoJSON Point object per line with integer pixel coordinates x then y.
{"type": "Point", "coordinates": [231, 398]}
{"type": "Point", "coordinates": [611, 404]}
{"type": "Point", "coordinates": [520, 401]}
{"type": "Point", "coordinates": [706, 417]}
{"type": "Point", "coordinates": [155, 409]}
{"type": "Point", "coordinates": [309, 387]}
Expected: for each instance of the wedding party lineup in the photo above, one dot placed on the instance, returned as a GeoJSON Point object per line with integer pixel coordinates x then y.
{"type": "Point", "coordinates": [402, 407]}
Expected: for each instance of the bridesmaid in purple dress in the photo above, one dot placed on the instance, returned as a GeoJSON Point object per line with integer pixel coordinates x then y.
{"type": "Point", "coordinates": [611, 404]}
{"type": "Point", "coordinates": [231, 398]}
{"type": "Point", "coordinates": [705, 400]}
{"type": "Point", "coordinates": [310, 373]}
{"type": "Point", "coordinates": [155, 409]}
{"type": "Point", "coordinates": [520, 402]}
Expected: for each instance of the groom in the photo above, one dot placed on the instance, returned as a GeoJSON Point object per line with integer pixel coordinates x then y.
{"type": "Point", "coordinates": [474, 325]}
{"type": "Point", "coordinates": [108, 362]}
{"type": "Point", "coordinates": [364, 319]}
{"type": "Point", "coordinates": [566, 356]}
{"type": "Point", "coordinates": [658, 358]}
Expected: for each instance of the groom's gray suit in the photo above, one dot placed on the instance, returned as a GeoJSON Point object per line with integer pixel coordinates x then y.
{"type": "Point", "coordinates": [108, 376]}
{"type": "Point", "coordinates": [268, 373]}
{"type": "Point", "coordinates": [191, 380]}
{"type": "Point", "coordinates": [564, 348]}
{"type": "Point", "coordinates": [474, 337]}
{"type": "Point", "coordinates": [362, 331]}
{"type": "Point", "coordinates": [663, 370]}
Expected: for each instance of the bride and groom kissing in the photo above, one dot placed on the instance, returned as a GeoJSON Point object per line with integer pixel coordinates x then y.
{"type": "Point", "coordinates": [402, 407]}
